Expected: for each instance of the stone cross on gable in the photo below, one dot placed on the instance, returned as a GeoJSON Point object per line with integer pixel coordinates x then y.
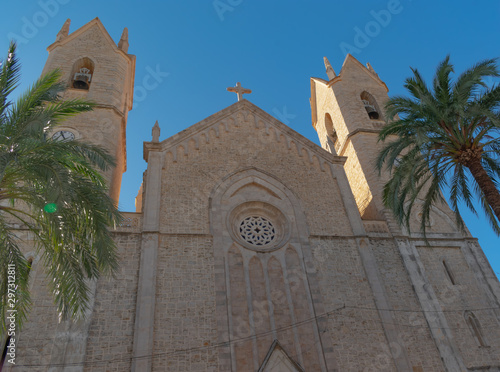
{"type": "Point", "coordinates": [239, 90]}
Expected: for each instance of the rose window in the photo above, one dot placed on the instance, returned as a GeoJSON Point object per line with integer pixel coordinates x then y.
{"type": "Point", "coordinates": [257, 231]}
{"type": "Point", "coordinates": [258, 226]}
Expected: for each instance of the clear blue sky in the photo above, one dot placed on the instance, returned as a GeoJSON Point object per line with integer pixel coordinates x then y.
{"type": "Point", "coordinates": [272, 47]}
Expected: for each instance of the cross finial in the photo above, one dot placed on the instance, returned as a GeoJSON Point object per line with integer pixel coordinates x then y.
{"type": "Point", "coordinates": [239, 90]}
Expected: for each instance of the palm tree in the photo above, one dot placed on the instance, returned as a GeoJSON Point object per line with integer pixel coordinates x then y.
{"type": "Point", "coordinates": [55, 190]}
{"type": "Point", "coordinates": [444, 136]}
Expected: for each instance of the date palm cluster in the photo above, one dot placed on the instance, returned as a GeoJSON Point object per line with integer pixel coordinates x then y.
{"type": "Point", "coordinates": [444, 137]}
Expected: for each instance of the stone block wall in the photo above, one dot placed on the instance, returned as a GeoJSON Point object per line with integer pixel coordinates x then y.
{"type": "Point", "coordinates": [111, 333]}
{"type": "Point", "coordinates": [354, 326]}
{"type": "Point", "coordinates": [459, 294]}
{"type": "Point", "coordinates": [185, 331]}
{"type": "Point", "coordinates": [46, 340]}
{"type": "Point", "coordinates": [194, 167]}
{"type": "Point", "coordinates": [415, 335]}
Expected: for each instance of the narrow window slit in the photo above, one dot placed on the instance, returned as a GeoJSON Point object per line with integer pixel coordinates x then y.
{"type": "Point", "coordinates": [448, 272]}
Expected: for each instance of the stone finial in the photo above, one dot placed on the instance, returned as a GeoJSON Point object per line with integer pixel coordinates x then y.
{"type": "Point", "coordinates": [64, 30]}
{"type": "Point", "coordinates": [370, 68]}
{"type": "Point", "coordinates": [329, 69]}
{"type": "Point", "coordinates": [123, 43]}
{"type": "Point", "coordinates": [156, 132]}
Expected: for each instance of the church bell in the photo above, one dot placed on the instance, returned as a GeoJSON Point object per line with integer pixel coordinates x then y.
{"type": "Point", "coordinates": [371, 110]}
{"type": "Point", "coordinates": [82, 79]}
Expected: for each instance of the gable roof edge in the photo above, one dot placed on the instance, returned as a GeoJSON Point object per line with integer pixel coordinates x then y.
{"type": "Point", "coordinates": [376, 78]}
{"type": "Point", "coordinates": [204, 124]}
{"type": "Point", "coordinates": [81, 30]}
{"type": "Point", "coordinates": [276, 345]}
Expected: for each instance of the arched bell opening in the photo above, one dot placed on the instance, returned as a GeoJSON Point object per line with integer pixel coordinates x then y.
{"type": "Point", "coordinates": [83, 71]}
{"type": "Point", "coordinates": [371, 106]}
{"type": "Point", "coordinates": [331, 134]}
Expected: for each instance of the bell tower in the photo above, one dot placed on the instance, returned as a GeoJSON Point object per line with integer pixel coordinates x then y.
{"type": "Point", "coordinates": [97, 69]}
{"type": "Point", "coordinates": [346, 113]}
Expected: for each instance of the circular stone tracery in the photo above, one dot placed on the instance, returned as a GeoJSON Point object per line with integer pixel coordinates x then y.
{"type": "Point", "coordinates": [257, 231]}
{"type": "Point", "coordinates": [258, 226]}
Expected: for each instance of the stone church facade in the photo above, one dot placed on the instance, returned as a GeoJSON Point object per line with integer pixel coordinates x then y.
{"type": "Point", "coordinates": [254, 249]}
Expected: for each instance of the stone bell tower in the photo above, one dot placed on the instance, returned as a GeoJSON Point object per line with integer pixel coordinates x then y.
{"type": "Point", "coordinates": [346, 113]}
{"type": "Point", "coordinates": [96, 69]}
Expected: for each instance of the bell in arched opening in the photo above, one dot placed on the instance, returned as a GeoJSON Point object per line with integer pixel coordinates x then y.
{"type": "Point", "coordinates": [82, 78]}
{"type": "Point", "coordinates": [82, 73]}
{"type": "Point", "coordinates": [371, 110]}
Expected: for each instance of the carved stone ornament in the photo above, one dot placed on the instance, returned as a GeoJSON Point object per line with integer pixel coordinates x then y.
{"type": "Point", "coordinates": [259, 226]}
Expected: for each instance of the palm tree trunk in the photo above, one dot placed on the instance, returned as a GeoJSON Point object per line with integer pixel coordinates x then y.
{"type": "Point", "coordinates": [486, 185]}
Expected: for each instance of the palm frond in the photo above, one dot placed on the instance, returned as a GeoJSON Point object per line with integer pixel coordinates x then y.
{"type": "Point", "coordinates": [9, 77]}
{"type": "Point", "coordinates": [14, 273]}
{"type": "Point", "coordinates": [74, 241]}
{"type": "Point", "coordinates": [471, 81]}
{"type": "Point", "coordinates": [435, 132]}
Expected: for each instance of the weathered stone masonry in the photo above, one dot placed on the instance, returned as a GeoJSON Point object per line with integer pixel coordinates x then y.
{"type": "Point", "coordinates": [254, 249]}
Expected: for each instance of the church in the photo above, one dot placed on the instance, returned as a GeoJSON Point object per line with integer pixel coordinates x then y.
{"type": "Point", "coordinates": [254, 249]}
